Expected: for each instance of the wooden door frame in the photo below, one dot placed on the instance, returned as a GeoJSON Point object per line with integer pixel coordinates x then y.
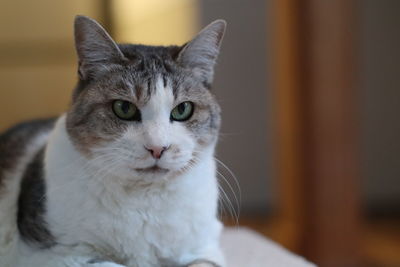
{"type": "Point", "coordinates": [315, 81]}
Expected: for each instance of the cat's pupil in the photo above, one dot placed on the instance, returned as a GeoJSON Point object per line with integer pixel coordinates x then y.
{"type": "Point", "coordinates": [181, 108]}
{"type": "Point", "coordinates": [125, 107]}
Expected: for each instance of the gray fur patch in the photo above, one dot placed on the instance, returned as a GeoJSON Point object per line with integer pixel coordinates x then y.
{"type": "Point", "coordinates": [14, 142]}
{"type": "Point", "coordinates": [31, 204]}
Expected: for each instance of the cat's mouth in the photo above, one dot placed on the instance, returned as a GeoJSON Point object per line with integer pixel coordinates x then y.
{"type": "Point", "coordinates": [153, 170]}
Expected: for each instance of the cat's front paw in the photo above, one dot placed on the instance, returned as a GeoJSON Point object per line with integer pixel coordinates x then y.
{"type": "Point", "coordinates": [84, 262]}
{"type": "Point", "coordinates": [202, 263]}
{"type": "Point", "coordinates": [104, 264]}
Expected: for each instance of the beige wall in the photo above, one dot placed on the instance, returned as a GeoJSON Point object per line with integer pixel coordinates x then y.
{"type": "Point", "coordinates": [37, 59]}
{"type": "Point", "coordinates": [156, 22]}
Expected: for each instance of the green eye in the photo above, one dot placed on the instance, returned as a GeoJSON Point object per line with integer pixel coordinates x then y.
{"type": "Point", "coordinates": [183, 111]}
{"type": "Point", "coordinates": [126, 110]}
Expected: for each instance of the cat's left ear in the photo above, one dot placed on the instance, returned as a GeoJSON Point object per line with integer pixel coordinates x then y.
{"type": "Point", "coordinates": [95, 48]}
{"type": "Point", "coordinates": [200, 54]}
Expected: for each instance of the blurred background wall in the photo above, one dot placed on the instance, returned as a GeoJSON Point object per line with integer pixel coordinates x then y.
{"type": "Point", "coordinates": [37, 58]}
{"type": "Point", "coordinates": [380, 103]}
{"type": "Point", "coordinates": [243, 89]}
{"type": "Point", "coordinates": [38, 73]}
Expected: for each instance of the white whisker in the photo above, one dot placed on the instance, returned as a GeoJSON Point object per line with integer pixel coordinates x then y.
{"type": "Point", "coordinates": [237, 199]}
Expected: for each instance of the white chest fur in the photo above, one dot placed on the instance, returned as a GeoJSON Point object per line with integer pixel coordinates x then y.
{"type": "Point", "coordinates": [138, 226]}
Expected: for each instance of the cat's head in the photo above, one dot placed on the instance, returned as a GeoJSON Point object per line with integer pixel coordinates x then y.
{"type": "Point", "coordinates": [144, 111]}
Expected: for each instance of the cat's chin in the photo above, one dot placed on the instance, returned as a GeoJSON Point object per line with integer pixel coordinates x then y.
{"type": "Point", "coordinates": [159, 171]}
{"type": "Point", "coordinates": [152, 170]}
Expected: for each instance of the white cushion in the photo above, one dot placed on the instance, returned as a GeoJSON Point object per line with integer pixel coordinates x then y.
{"type": "Point", "coordinates": [246, 248]}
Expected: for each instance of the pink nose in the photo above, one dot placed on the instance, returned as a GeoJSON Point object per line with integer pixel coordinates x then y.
{"type": "Point", "coordinates": [156, 151]}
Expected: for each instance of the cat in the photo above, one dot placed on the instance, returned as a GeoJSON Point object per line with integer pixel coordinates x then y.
{"type": "Point", "coordinates": [126, 177]}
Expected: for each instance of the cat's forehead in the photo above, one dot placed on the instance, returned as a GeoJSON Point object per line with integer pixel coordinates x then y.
{"type": "Point", "coordinates": [148, 63]}
{"type": "Point", "coordinates": [151, 61]}
{"type": "Point", "coordinates": [131, 84]}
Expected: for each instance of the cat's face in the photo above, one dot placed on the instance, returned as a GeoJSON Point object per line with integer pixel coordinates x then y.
{"type": "Point", "coordinates": [142, 111]}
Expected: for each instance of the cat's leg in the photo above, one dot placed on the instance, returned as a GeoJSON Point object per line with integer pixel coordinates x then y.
{"type": "Point", "coordinates": [206, 251]}
{"type": "Point", "coordinates": [104, 264]}
{"type": "Point", "coordinates": [77, 262]}
{"type": "Point", "coordinates": [85, 262]}
{"type": "Point", "coordinates": [48, 259]}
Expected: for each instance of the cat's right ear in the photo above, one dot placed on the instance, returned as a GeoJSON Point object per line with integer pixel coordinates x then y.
{"type": "Point", "coordinates": [200, 54]}
{"type": "Point", "coordinates": [95, 48]}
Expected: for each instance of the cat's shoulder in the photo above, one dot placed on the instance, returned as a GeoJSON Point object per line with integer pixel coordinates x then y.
{"type": "Point", "coordinates": [14, 141]}
{"type": "Point", "coordinates": [26, 127]}
{"type": "Point", "coordinates": [19, 135]}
